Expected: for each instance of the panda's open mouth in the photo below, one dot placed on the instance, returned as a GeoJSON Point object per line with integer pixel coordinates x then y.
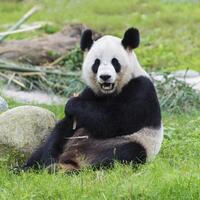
{"type": "Point", "coordinates": [107, 86]}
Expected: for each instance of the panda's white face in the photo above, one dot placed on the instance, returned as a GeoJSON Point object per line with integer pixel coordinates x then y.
{"type": "Point", "coordinates": [108, 66]}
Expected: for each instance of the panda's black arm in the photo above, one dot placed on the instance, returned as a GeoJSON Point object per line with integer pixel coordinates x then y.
{"type": "Point", "coordinates": [48, 153]}
{"type": "Point", "coordinates": [107, 120]}
{"type": "Point", "coordinates": [92, 115]}
{"type": "Point", "coordinates": [136, 107]}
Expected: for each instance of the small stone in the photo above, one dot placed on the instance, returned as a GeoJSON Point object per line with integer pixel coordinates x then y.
{"type": "Point", "coordinates": [158, 77]}
{"type": "Point", "coordinates": [25, 127]}
{"type": "Point", "coordinates": [193, 82]}
{"type": "Point", "coordinates": [186, 73]}
{"type": "Point", "coordinates": [3, 105]}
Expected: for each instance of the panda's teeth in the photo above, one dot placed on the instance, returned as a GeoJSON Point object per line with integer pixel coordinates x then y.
{"type": "Point", "coordinates": [107, 86]}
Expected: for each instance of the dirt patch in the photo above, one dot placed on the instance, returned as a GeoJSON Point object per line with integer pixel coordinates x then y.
{"type": "Point", "coordinates": [44, 49]}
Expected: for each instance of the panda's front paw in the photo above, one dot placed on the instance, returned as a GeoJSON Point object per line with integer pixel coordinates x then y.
{"type": "Point", "coordinates": [72, 106]}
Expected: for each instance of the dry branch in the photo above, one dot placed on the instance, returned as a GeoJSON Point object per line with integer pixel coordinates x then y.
{"type": "Point", "coordinates": [20, 22]}
{"type": "Point", "coordinates": [30, 77]}
{"type": "Point", "coordinates": [7, 66]}
{"type": "Point", "coordinates": [13, 80]}
{"type": "Point", "coordinates": [30, 28]}
{"type": "Point", "coordinates": [45, 49]}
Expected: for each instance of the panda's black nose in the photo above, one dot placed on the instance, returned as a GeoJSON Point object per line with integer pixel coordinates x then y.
{"type": "Point", "coordinates": [105, 77]}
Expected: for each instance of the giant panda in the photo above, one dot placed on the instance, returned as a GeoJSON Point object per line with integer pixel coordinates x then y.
{"type": "Point", "coordinates": [116, 117]}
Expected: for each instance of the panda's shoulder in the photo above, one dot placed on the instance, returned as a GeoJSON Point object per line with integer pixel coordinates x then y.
{"type": "Point", "coordinates": [141, 84]}
{"type": "Point", "coordinates": [87, 94]}
{"type": "Point", "coordinates": [140, 81]}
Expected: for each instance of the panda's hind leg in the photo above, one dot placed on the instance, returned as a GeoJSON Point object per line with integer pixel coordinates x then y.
{"type": "Point", "coordinates": [124, 151]}
{"type": "Point", "coordinates": [62, 167]}
{"type": "Point", "coordinates": [67, 162]}
{"type": "Point", "coordinates": [131, 152]}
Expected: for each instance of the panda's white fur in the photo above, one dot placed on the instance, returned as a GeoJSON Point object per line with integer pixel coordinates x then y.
{"type": "Point", "coordinates": [105, 49]}
{"type": "Point", "coordinates": [150, 139]}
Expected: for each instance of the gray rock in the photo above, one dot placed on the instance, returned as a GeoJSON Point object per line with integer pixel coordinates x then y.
{"type": "Point", "coordinates": [194, 82]}
{"type": "Point", "coordinates": [186, 73]}
{"type": "Point", "coordinates": [192, 78]}
{"type": "Point", "coordinates": [25, 127]}
{"type": "Point", "coordinates": [3, 105]}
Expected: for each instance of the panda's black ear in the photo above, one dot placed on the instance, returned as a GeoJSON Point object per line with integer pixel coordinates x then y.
{"type": "Point", "coordinates": [86, 40]}
{"type": "Point", "coordinates": [131, 38]}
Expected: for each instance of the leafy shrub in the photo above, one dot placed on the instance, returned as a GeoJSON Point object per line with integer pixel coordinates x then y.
{"type": "Point", "coordinates": [73, 60]}
{"type": "Point", "coordinates": [176, 95]}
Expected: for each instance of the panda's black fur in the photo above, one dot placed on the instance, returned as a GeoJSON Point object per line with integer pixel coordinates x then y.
{"type": "Point", "coordinates": [105, 120]}
{"type": "Point", "coordinates": [136, 103]}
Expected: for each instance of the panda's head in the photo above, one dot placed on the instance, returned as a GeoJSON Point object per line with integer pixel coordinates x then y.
{"type": "Point", "coordinates": [109, 62]}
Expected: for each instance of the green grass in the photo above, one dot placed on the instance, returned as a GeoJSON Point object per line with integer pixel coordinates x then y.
{"type": "Point", "coordinates": [176, 96]}
{"type": "Point", "coordinates": [169, 29]}
{"type": "Point", "coordinates": [170, 41]}
{"type": "Point", "coordinates": [58, 110]}
{"type": "Point", "coordinates": [174, 174]}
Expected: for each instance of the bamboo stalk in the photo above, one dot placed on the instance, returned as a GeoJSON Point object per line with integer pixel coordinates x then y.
{"type": "Point", "coordinates": [24, 74]}
{"type": "Point", "coordinates": [74, 124]}
{"type": "Point", "coordinates": [16, 68]}
{"type": "Point", "coordinates": [21, 21]}
{"type": "Point", "coordinates": [52, 84]}
{"type": "Point", "coordinates": [13, 80]}
{"type": "Point", "coordinates": [57, 60]}
{"type": "Point", "coordinates": [6, 33]}
{"type": "Point", "coordinates": [77, 137]}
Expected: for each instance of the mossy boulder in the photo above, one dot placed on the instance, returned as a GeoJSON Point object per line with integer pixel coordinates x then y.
{"type": "Point", "coordinates": [25, 127]}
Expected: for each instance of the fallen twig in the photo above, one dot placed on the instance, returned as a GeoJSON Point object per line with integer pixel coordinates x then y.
{"type": "Point", "coordinates": [21, 21]}
{"type": "Point", "coordinates": [74, 124]}
{"type": "Point", "coordinates": [61, 81]}
{"type": "Point", "coordinates": [57, 60]}
{"type": "Point", "coordinates": [30, 73]}
{"type": "Point", "coordinates": [15, 68]}
{"type": "Point", "coordinates": [21, 30]}
{"type": "Point", "coordinates": [13, 80]}
{"type": "Point", "coordinates": [77, 137]}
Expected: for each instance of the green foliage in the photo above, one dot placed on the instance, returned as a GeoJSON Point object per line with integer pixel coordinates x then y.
{"type": "Point", "coordinates": [177, 96]}
{"type": "Point", "coordinates": [167, 41]}
{"type": "Point", "coordinates": [9, 156]}
{"type": "Point", "coordinates": [50, 29]}
{"type": "Point", "coordinates": [174, 174]}
{"type": "Point", "coordinates": [66, 86]}
{"type": "Point", "coordinates": [60, 80]}
{"type": "Point", "coordinates": [52, 54]}
{"type": "Point", "coordinates": [73, 60]}
{"type": "Point", "coordinates": [58, 110]}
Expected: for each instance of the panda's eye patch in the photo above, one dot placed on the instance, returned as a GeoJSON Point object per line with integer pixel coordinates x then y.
{"type": "Point", "coordinates": [95, 66]}
{"type": "Point", "coordinates": [116, 64]}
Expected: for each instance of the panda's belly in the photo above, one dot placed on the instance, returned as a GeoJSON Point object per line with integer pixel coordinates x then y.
{"type": "Point", "coordinates": [91, 151]}
{"type": "Point", "coordinates": [85, 150]}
